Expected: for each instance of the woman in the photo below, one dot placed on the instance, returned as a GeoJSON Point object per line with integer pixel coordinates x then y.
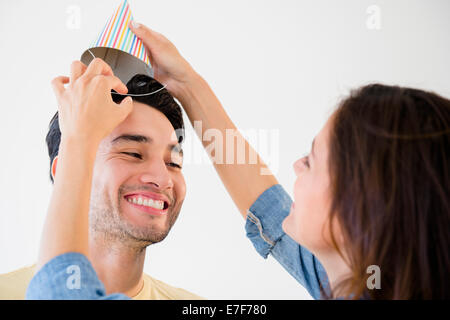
{"type": "Point", "coordinates": [373, 194]}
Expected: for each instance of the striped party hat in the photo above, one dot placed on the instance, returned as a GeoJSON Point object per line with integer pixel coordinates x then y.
{"type": "Point", "coordinates": [118, 46]}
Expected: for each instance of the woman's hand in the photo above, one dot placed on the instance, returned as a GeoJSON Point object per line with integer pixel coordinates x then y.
{"type": "Point", "coordinates": [86, 109]}
{"type": "Point", "coordinates": [170, 68]}
{"type": "Point", "coordinates": [87, 114]}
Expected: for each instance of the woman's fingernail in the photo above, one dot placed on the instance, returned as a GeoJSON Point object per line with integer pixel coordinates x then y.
{"type": "Point", "coordinates": [135, 24]}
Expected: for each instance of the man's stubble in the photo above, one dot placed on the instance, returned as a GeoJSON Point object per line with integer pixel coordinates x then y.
{"type": "Point", "coordinates": [107, 221]}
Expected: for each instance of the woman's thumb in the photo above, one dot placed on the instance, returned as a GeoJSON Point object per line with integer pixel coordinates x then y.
{"type": "Point", "coordinates": [126, 106]}
{"type": "Point", "coordinates": [142, 32]}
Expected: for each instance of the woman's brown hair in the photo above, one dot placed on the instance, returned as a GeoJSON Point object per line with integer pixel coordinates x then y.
{"type": "Point", "coordinates": [390, 179]}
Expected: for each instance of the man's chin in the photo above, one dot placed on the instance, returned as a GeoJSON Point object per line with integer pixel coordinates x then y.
{"type": "Point", "coordinates": [145, 227]}
{"type": "Point", "coordinates": [145, 235]}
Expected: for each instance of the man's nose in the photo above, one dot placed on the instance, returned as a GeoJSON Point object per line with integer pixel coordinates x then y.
{"type": "Point", "coordinates": [298, 165]}
{"type": "Point", "coordinates": [156, 173]}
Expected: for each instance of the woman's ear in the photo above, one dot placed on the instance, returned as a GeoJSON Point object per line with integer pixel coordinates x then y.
{"type": "Point", "coordinates": [54, 164]}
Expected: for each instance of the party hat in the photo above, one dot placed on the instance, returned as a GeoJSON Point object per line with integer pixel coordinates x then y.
{"type": "Point", "coordinates": [118, 46]}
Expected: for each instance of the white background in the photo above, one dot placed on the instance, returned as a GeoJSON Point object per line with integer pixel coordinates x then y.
{"type": "Point", "coordinates": [274, 64]}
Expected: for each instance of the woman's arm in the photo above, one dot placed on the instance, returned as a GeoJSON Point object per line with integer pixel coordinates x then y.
{"type": "Point", "coordinates": [201, 104]}
{"type": "Point", "coordinates": [64, 272]}
{"type": "Point", "coordinates": [265, 204]}
{"type": "Point", "coordinates": [87, 98]}
{"type": "Point", "coordinates": [66, 224]}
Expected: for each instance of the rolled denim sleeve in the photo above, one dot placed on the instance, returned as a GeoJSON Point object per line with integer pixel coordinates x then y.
{"type": "Point", "coordinates": [69, 276]}
{"type": "Point", "coordinates": [263, 227]}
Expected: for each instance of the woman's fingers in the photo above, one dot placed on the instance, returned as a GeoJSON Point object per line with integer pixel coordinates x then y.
{"type": "Point", "coordinates": [118, 85]}
{"type": "Point", "coordinates": [126, 106]}
{"type": "Point", "coordinates": [148, 37]}
{"type": "Point", "coordinates": [150, 57]}
{"type": "Point", "coordinates": [155, 42]}
{"type": "Point", "coordinates": [77, 69]}
{"type": "Point", "coordinates": [97, 67]}
{"type": "Point", "coordinates": [166, 60]}
{"type": "Point", "coordinates": [145, 34]}
{"type": "Point", "coordinates": [58, 86]}
{"type": "Point", "coordinates": [109, 82]}
{"type": "Point", "coordinates": [98, 70]}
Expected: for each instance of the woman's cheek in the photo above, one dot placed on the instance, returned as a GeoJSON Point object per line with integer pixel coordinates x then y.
{"type": "Point", "coordinates": [294, 222]}
{"type": "Point", "coordinates": [309, 216]}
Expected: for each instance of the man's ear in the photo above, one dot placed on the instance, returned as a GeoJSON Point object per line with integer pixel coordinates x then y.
{"type": "Point", "coordinates": [54, 164]}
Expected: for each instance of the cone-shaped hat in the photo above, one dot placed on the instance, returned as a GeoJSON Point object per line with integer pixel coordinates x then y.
{"type": "Point", "coordinates": [119, 47]}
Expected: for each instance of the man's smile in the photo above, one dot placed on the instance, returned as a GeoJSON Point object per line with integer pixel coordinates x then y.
{"type": "Point", "coordinates": [150, 202]}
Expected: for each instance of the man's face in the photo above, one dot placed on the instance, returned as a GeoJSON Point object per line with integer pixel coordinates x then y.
{"type": "Point", "coordinates": [138, 187]}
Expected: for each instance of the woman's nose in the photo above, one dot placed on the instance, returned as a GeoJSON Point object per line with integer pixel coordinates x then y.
{"type": "Point", "coordinates": [298, 166]}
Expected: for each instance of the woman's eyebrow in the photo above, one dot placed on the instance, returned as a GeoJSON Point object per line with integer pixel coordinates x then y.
{"type": "Point", "coordinates": [312, 147]}
{"type": "Point", "coordinates": [131, 137]}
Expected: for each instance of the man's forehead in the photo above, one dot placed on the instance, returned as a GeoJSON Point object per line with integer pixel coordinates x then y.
{"type": "Point", "coordinates": [146, 121]}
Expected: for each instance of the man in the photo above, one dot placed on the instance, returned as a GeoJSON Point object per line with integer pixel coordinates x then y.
{"type": "Point", "coordinates": [137, 192]}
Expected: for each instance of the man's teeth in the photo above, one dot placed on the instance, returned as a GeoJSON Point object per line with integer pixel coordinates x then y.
{"type": "Point", "coordinates": [157, 204]}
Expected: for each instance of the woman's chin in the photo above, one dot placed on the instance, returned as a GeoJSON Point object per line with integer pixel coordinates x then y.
{"type": "Point", "coordinates": [288, 227]}
{"type": "Point", "coordinates": [291, 227]}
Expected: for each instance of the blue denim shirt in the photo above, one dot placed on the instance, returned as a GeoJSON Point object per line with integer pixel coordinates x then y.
{"type": "Point", "coordinates": [263, 227]}
{"type": "Point", "coordinates": [68, 276]}
{"type": "Point", "coordinates": [71, 275]}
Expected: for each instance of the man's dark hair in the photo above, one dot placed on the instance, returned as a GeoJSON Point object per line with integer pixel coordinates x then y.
{"type": "Point", "coordinates": [162, 101]}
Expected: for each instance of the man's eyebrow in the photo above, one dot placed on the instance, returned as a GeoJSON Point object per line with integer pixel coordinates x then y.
{"type": "Point", "coordinates": [131, 137]}
{"type": "Point", "coordinates": [176, 147]}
